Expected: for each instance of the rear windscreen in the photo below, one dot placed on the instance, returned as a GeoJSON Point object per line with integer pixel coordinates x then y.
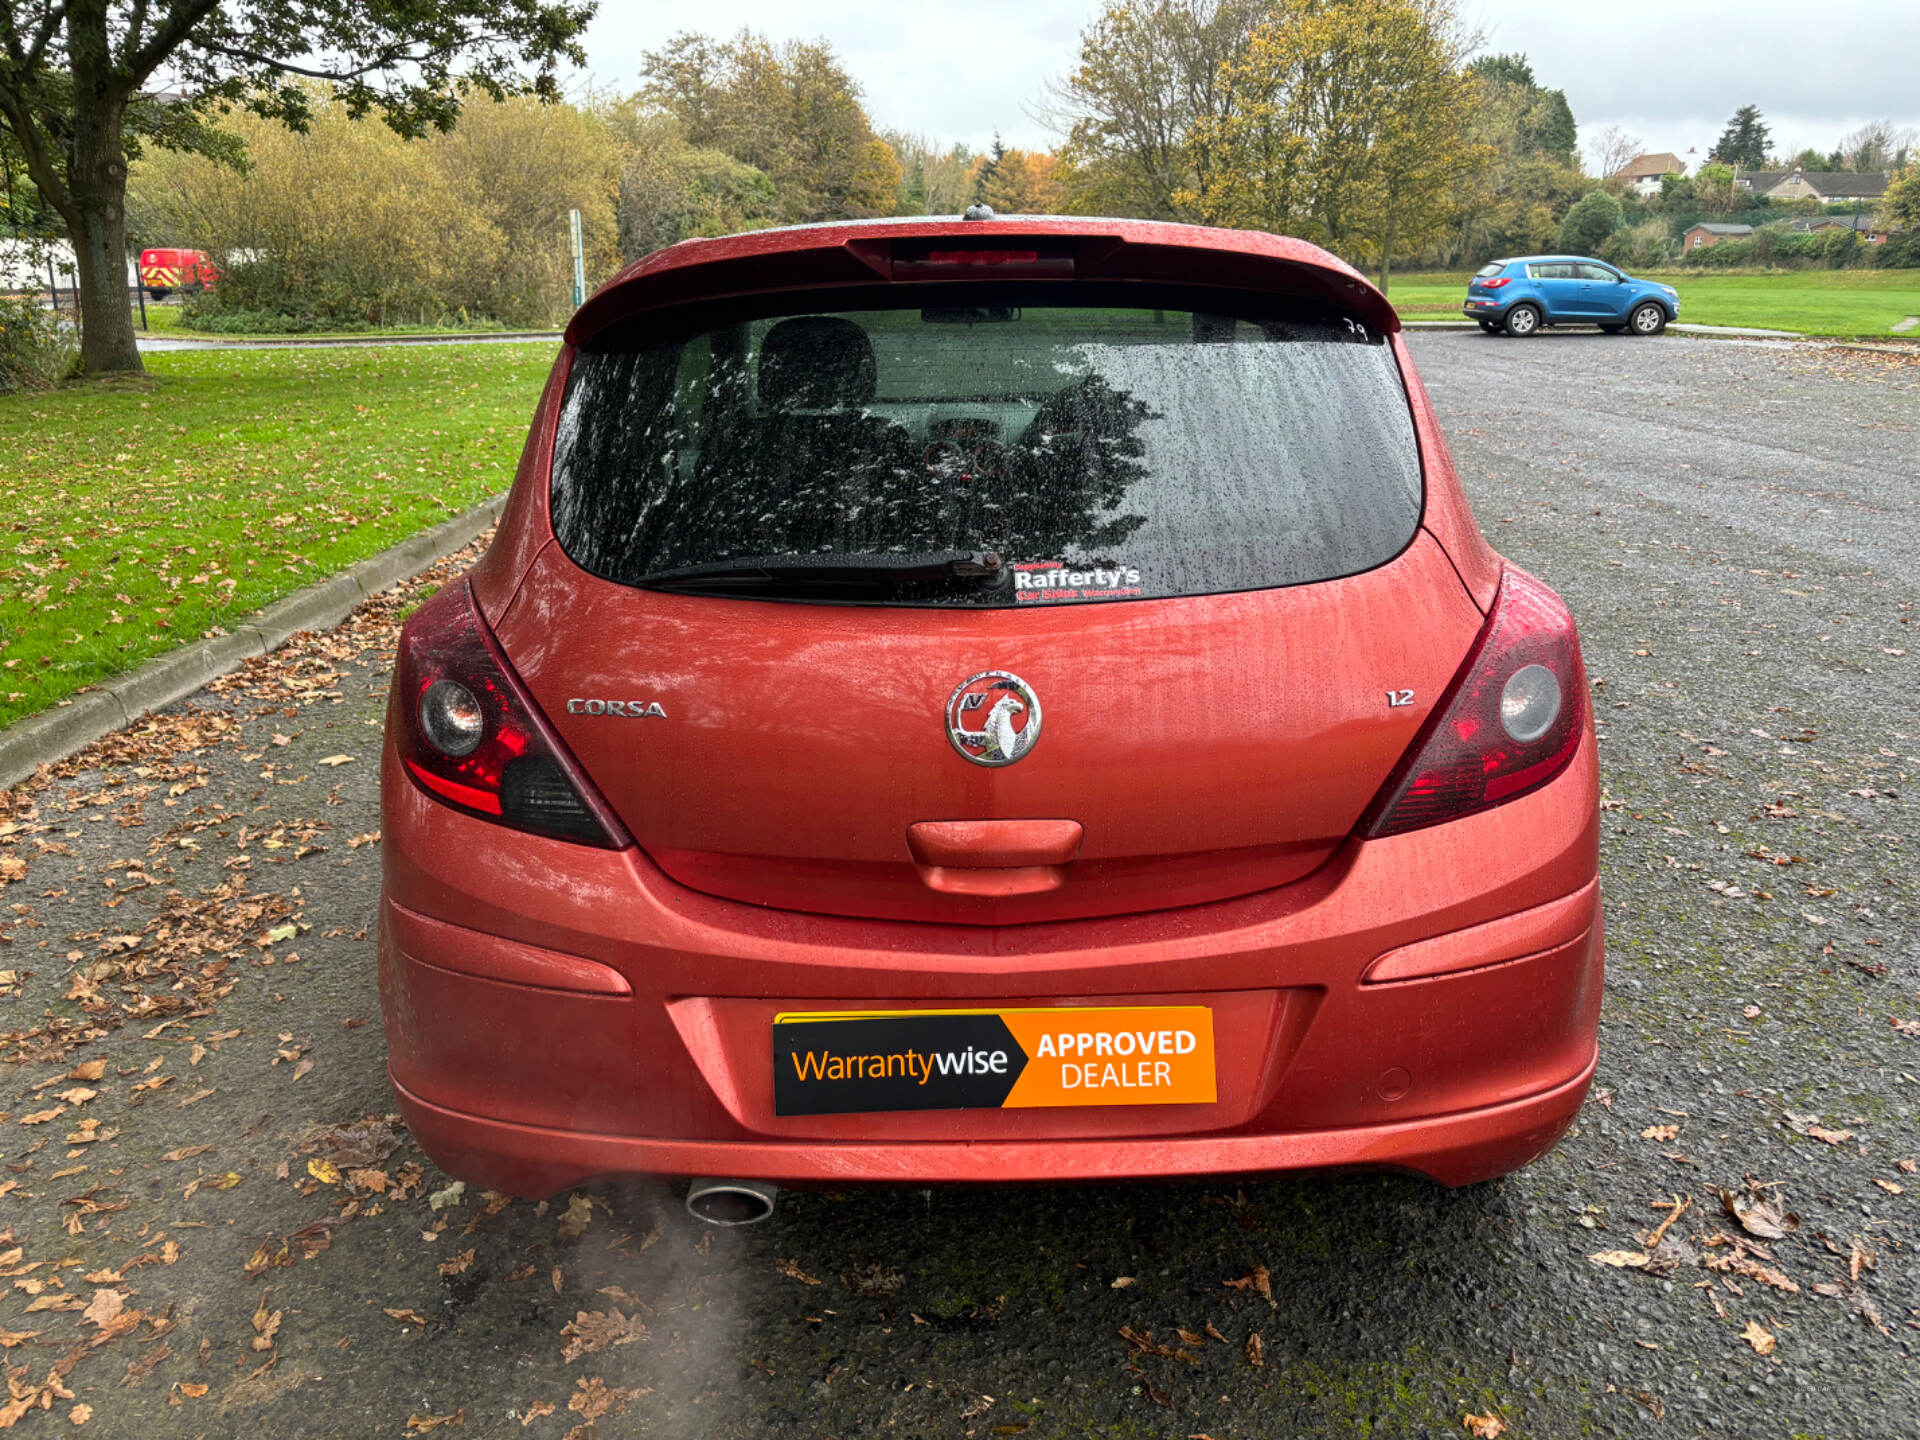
{"type": "Point", "coordinates": [1087, 452]}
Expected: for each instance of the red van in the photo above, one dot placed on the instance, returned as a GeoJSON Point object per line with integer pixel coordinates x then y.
{"type": "Point", "coordinates": [977, 700]}
{"type": "Point", "coordinates": [165, 271]}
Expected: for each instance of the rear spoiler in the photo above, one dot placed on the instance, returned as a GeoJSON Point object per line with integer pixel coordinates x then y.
{"type": "Point", "coordinates": [835, 256]}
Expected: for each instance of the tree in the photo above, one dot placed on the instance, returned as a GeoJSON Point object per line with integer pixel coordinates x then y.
{"type": "Point", "coordinates": [1744, 142]}
{"type": "Point", "coordinates": [1147, 73]}
{"type": "Point", "coordinates": [1590, 223]}
{"type": "Point", "coordinates": [349, 224]}
{"type": "Point", "coordinates": [790, 111]}
{"type": "Point", "coordinates": [1612, 149]}
{"type": "Point", "coordinates": [1809, 160]}
{"type": "Point", "coordinates": [1900, 206]}
{"type": "Point", "coordinates": [1517, 198]}
{"type": "Point", "coordinates": [935, 179]}
{"type": "Point", "coordinates": [74, 77]}
{"type": "Point", "coordinates": [1876, 146]}
{"type": "Point", "coordinates": [1022, 183]}
{"type": "Point", "coordinates": [1544, 121]}
{"type": "Point", "coordinates": [1349, 124]}
{"type": "Point", "coordinates": [988, 169]}
{"type": "Point", "coordinates": [672, 191]}
{"type": "Point", "coordinates": [1714, 191]}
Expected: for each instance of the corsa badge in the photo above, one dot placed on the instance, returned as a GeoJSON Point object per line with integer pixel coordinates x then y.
{"type": "Point", "coordinates": [993, 718]}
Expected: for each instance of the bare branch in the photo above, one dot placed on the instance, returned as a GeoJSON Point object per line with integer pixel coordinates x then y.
{"type": "Point", "coordinates": [168, 36]}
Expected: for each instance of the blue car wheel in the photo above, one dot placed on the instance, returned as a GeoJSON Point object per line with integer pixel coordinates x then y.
{"type": "Point", "coordinates": [1522, 320]}
{"type": "Point", "coordinates": [1649, 317]}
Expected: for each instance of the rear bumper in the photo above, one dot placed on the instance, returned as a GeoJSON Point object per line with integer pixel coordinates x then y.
{"type": "Point", "coordinates": [1456, 1149]}
{"type": "Point", "coordinates": [1427, 1002]}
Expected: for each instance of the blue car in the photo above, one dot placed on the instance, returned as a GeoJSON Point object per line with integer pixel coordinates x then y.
{"type": "Point", "coordinates": [1519, 296]}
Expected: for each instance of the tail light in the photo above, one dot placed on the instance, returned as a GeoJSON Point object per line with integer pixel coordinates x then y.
{"type": "Point", "coordinates": [472, 737]}
{"type": "Point", "coordinates": [1510, 723]}
{"type": "Point", "coordinates": [982, 257]}
{"type": "Point", "coordinates": [1495, 284]}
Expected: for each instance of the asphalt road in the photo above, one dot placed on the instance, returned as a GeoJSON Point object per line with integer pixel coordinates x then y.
{"type": "Point", "coordinates": [1738, 529]}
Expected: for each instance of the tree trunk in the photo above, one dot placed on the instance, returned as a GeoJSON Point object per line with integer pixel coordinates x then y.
{"type": "Point", "coordinates": [97, 193]}
{"type": "Point", "coordinates": [1386, 243]}
{"type": "Point", "coordinates": [100, 246]}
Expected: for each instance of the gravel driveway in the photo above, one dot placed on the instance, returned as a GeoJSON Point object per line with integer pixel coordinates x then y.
{"type": "Point", "coordinates": [208, 1228]}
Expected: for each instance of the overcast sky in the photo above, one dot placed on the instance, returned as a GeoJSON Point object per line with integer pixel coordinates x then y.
{"type": "Point", "coordinates": [1668, 73]}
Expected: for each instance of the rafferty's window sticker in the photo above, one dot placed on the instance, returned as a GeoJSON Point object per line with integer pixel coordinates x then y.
{"type": "Point", "coordinates": [1039, 582]}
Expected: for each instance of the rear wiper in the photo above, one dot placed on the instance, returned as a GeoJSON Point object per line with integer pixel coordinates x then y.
{"type": "Point", "coordinates": [856, 571]}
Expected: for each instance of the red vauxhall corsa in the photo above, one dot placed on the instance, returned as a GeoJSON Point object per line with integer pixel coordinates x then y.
{"type": "Point", "coordinates": [987, 700]}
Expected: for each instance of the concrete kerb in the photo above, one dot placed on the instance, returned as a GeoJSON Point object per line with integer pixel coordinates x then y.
{"type": "Point", "coordinates": [60, 730]}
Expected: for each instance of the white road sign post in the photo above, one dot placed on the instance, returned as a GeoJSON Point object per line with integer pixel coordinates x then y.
{"type": "Point", "coordinates": [579, 261]}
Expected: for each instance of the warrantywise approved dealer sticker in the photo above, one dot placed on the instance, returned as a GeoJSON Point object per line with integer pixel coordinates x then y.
{"type": "Point", "coordinates": [843, 1062]}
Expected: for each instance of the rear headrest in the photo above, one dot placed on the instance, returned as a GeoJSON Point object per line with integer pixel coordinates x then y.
{"type": "Point", "coordinates": [816, 362]}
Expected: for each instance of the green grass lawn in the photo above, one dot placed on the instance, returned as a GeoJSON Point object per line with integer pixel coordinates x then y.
{"type": "Point", "coordinates": [1813, 302]}
{"type": "Point", "coordinates": [137, 516]}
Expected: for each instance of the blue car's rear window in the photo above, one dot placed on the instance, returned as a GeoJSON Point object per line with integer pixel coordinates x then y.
{"type": "Point", "coordinates": [1106, 452]}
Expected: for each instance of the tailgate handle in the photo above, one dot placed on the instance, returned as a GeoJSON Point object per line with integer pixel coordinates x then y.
{"type": "Point", "coordinates": [994, 844]}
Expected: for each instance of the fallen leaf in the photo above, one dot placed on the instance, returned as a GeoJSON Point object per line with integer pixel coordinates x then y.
{"type": "Point", "coordinates": [11, 1338]}
{"type": "Point", "coordinates": [791, 1269]}
{"type": "Point", "coordinates": [325, 1171]}
{"type": "Point", "coordinates": [1256, 1349]}
{"type": "Point", "coordinates": [79, 1095]}
{"type": "Point", "coordinates": [595, 1398]}
{"type": "Point", "coordinates": [1258, 1281]}
{"type": "Point", "coordinates": [574, 1222]}
{"type": "Point", "coordinates": [91, 1071]}
{"type": "Point", "coordinates": [1485, 1427]}
{"type": "Point", "coordinates": [185, 1152]}
{"type": "Point", "coordinates": [265, 1325]}
{"type": "Point", "coordinates": [592, 1331]}
{"type": "Point", "coordinates": [1756, 1335]}
{"type": "Point", "coordinates": [409, 1317]}
{"type": "Point", "coordinates": [1660, 1132]}
{"type": "Point", "coordinates": [443, 1199]}
{"type": "Point", "coordinates": [81, 1413]}
{"type": "Point", "coordinates": [1759, 1213]}
{"type": "Point", "coordinates": [421, 1424]}
{"type": "Point", "coordinates": [105, 1305]}
{"type": "Point", "coordinates": [458, 1264]}
{"type": "Point", "coordinates": [1621, 1259]}
{"type": "Point", "coordinates": [538, 1410]}
{"type": "Point", "coordinates": [1890, 1187]}
{"type": "Point", "coordinates": [41, 1117]}
{"type": "Point", "coordinates": [193, 1390]}
{"type": "Point", "coordinates": [1121, 1282]}
{"type": "Point", "coordinates": [337, 760]}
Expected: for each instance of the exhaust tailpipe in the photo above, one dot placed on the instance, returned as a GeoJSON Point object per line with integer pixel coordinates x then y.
{"type": "Point", "coordinates": [731, 1202]}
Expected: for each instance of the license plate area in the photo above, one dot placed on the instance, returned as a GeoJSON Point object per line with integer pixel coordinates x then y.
{"type": "Point", "coordinates": [863, 1062]}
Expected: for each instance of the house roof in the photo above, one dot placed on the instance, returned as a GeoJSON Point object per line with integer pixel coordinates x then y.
{"type": "Point", "coordinates": [1652, 166]}
{"type": "Point", "coordinates": [1848, 185]}
{"type": "Point", "coordinates": [1718, 229]}
{"type": "Point", "coordinates": [1863, 223]}
{"type": "Point", "coordinates": [1761, 181]}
